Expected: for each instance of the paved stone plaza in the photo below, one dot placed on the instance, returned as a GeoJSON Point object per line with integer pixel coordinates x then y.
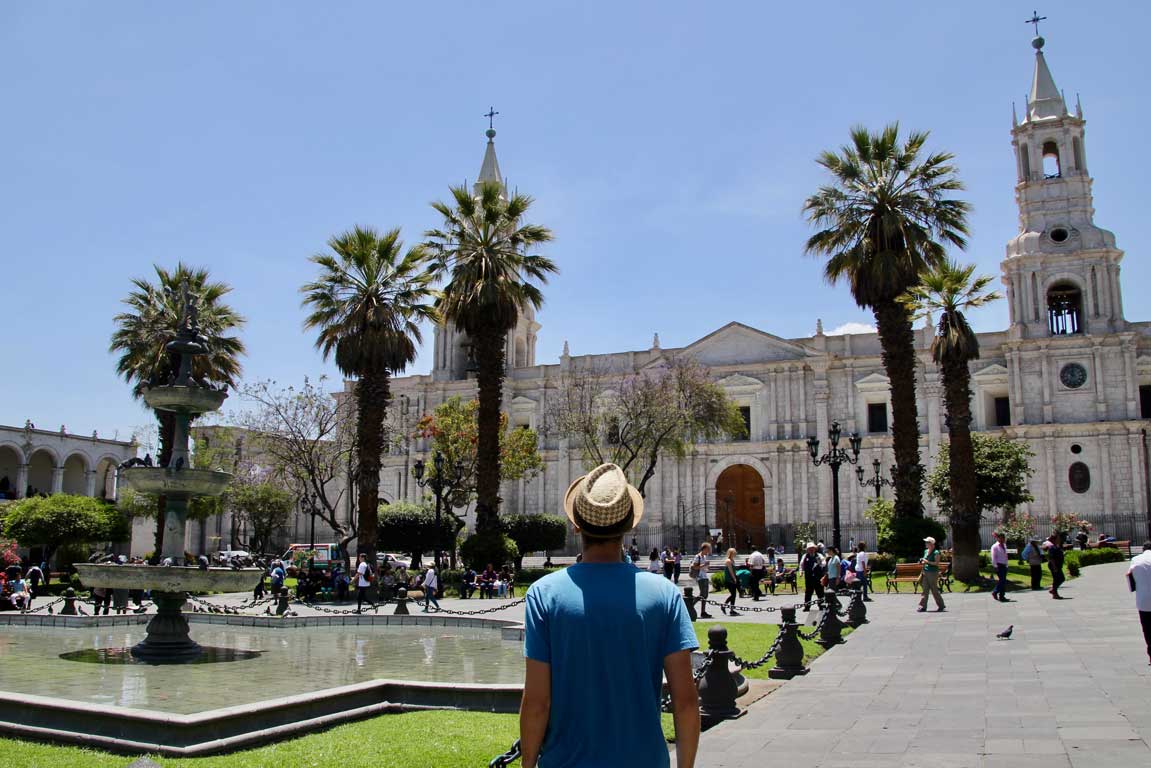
{"type": "Point", "coordinates": [1072, 688]}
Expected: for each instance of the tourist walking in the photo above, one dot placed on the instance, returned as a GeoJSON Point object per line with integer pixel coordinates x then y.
{"type": "Point", "coordinates": [699, 570]}
{"type": "Point", "coordinates": [1139, 579]}
{"type": "Point", "coordinates": [731, 581]}
{"type": "Point", "coordinates": [653, 563]}
{"type": "Point", "coordinates": [929, 579]}
{"type": "Point", "coordinates": [811, 566]}
{"type": "Point", "coordinates": [592, 687]}
{"type": "Point", "coordinates": [34, 576]}
{"type": "Point", "coordinates": [1055, 557]}
{"type": "Point", "coordinates": [860, 566]}
{"type": "Point", "coordinates": [668, 563]}
{"type": "Point", "coordinates": [677, 556]}
{"type": "Point", "coordinates": [999, 563]}
{"type": "Point", "coordinates": [1033, 556]}
{"type": "Point", "coordinates": [833, 566]}
{"type": "Point", "coordinates": [757, 564]}
{"type": "Point", "coordinates": [431, 588]}
{"type": "Point", "coordinates": [364, 577]}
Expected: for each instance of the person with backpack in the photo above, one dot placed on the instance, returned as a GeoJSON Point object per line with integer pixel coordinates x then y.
{"type": "Point", "coordinates": [1033, 556]}
{"type": "Point", "coordinates": [698, 570]}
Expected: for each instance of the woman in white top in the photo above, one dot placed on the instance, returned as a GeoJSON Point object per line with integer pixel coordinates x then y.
{"type": "Point", "coordinates": [431, 588]}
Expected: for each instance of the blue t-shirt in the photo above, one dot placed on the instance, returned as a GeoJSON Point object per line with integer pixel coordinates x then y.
{"type": "Point", "coordinates": [604, 629]}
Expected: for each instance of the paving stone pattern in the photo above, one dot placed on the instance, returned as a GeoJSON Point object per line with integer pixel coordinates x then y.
{"type": "Point", "coordinates": [1071, 689]}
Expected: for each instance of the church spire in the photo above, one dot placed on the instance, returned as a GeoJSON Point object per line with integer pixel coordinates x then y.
{"type": "Point", "coordinates": [490, 170]}
{"type": "Point", "coordinates": [1045, 100]}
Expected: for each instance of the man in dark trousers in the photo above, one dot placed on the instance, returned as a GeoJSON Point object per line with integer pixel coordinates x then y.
{"type": "Point", "coordinates": [811, 564]}
{"type": "Point", "coordinates": [599, 637]}
{"type": "Point", "coordinates": [1139, 577]}
{"type": "Point", "coordinates": [1054, 547]}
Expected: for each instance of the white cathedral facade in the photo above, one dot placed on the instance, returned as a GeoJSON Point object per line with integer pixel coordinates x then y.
{"type": "Point", "coordinates": [1070, 376]}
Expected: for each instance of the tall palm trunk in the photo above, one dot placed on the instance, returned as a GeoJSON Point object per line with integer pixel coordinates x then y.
{"type": "Point", "coordinates": [964, 508]}
{"type": "Point", "coordinates": [372, 400]}
{"type": "Point", "coordinates": [893, 321]}
{"type": "Point", "coordinates": [167, 436]}
{"type": "Point", "coordinates": [489, 351]}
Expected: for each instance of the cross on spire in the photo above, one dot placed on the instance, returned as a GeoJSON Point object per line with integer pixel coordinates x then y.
{"type": "Point", "coordinates": [1035, 19]}
{"type": "Point", "coordinates": [491, 114]}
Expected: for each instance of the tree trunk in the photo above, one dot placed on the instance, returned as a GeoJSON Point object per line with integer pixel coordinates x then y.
{"type": "Point", "coordinates": [372, 393]}
{"type": "Point", "coordinates": [167, 435]}
{"type": "Point", "coordinates": [489, 352]}
{"type": "Point", "coordinates": [898, 341]}
{"type": "Point", "coordinates": [964, 506]}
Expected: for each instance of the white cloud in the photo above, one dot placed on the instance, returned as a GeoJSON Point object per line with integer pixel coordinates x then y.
{"type": "Point", "coordinates": [852, 328]}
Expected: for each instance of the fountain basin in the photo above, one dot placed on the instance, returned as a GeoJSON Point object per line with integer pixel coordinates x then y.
{"type": "Point", "coordinates": [184, 399]}
{"type": "Point", "coordinates": [168, 579]}
{"type": "Point", "coordinates": [164, 481]}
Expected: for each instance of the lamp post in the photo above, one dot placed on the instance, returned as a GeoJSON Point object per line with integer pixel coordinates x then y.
{"type": "Point", "coordinates": [876, 482]}
{"type": "Point", "coordinates": [440, 485]}
{"type": "Point", "coordinates": [835, 458]}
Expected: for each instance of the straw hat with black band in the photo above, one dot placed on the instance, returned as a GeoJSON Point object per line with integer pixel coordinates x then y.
{"type": "Point", "coordinates": [602, 504]}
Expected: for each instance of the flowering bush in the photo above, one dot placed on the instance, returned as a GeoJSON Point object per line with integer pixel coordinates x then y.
{"type": "Point", "coordinates": [1065, 523]}
{"type": "Point", "coordinates": [1018, 528]}
{"type": "Point", "coordinates": [8, 553]}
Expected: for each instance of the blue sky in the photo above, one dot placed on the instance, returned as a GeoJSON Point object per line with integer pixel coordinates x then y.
{"type": "Point", "coordinates": [669, 145]}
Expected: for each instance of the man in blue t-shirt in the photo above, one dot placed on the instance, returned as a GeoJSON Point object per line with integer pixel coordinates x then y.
{"type": "Point", "coordinates": [600, 636]}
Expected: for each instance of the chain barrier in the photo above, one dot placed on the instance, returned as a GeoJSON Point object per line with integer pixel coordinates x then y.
{"type": "Point", "coordinates": [814, 632]}
{"type": "Point", "coordinates": [665, 702]}
{"type": "Point", "coordinates": [507, 758]}
{"type": "Point", "coordinates": [745, 665]}
{"type": "Point", "coordinates": [750, 608]}
{"type": "Point", "coordinates": [43, 607]}
{"type": "Point", "coordinates": [228, 609]}
{"type": "Point", "coordinates": [493, 609]}
{"type": "Point", "coordinates": [341, 611]}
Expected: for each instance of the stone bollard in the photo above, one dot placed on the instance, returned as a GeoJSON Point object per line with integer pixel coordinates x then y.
{"type": "Point", "coordinates": [69, 608]}
{"type": "Point", "coordinates": [857, 610]}
{"type": "Point", "coordinates": [832, 631]}
{"type": "Point", "coordinates": [402, 602]}
{"type": "Point", "coordinates": [719, 687]}
{"type": "Point", "coordinates": [789, 655]}
{"type": "Point", "coordinates": [282, 602]}
{"type": "Point", "coordinates": [689, 601]}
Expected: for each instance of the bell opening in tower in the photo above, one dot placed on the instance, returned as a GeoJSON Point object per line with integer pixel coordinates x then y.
{"type": "Point", "coordinates": [1064, 305]}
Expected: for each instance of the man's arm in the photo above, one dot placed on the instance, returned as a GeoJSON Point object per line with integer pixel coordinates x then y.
{"type": "Point", "coordinates": [535, 708]}
{"type": "Point", "coordinates": [684, 706]}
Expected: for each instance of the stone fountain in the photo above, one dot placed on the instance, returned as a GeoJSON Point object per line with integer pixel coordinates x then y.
{"type": "Point", "coordinates": [185, 397]}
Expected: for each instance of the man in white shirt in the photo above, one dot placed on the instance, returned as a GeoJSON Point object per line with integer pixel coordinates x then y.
{"type": "Point", "coordinates": [758, 566]}
{"type": "Point", "coordinates": [999, 562]}
{"type": "Point", "coordinates": [431, 587]}
{"type": "Point", "coordinates": [861, 567]}
{"type": "Point", "coordinates": [1139, 577]}
{"type": "Point", "coordinates": [363, 581]}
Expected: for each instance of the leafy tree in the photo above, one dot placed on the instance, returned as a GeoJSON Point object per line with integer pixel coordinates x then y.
{"type": "Point", "coordinates": [485, 251]}
{"type": "Point", "coordinates": [453, 428]}
{"type": "Point", "coordinates": [264, 507]}
{"type": "Point", "coordinates": [302, 436]}
{"type": "Point", "coordinates": [151, 320]}
{"type": "Point", "coordinates": [885, 218]}
{"type": "Point", "coordinates": [1002, 469]}
{"type": "Point", "coordinates": [367, 305]}
{"type": "Point", "coordinates": [635, 419]}
{"type": "Point", "coordinates": [950, 290]}
{"type": "Point", "coordinates": [535, 533]}
{"type": "Point", "coordinates": [53, 521]}
{"type": "Point", "coordinates": [411, 528]}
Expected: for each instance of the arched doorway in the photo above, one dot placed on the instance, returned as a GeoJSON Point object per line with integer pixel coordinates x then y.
{"type": "Point", "coordinates": [739, 506]}
{"type": "Point", "coordinates": [75, 480]}
{"type": "Point", "coordinates": [10, 463]}
{"type": "Point", "coordinates": [41, 468]}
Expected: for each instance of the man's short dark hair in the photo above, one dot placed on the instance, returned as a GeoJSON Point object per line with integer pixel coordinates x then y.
{"type": "Point", "coordinates": [589, 541]}
{"type": "Point", "coordinates": [1147, 545]}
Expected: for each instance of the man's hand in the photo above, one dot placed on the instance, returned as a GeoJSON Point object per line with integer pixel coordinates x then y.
{"type": "Point", "coordinates": [535, 707]}
{"type": "Point", "coordinates": [684, 706]}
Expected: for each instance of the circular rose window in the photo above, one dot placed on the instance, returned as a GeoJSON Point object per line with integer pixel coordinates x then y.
{"type": "Point", "coordinates": [1073, 375]}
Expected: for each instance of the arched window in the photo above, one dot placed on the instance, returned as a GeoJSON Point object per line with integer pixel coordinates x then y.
{"type": "Point", "coordinates": [521, 353]}
{"type": "Point", "coordinates": [1077, 152]}
{"type": "Point", "coordinates": [1025, 162]}
{"type": "Point", "coordinates": [1051, 167]}
{"type": "Point", "coordinates": [1064, 308]}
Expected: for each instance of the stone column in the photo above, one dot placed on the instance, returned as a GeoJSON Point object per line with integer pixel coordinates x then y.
{"type": "Point", "coordinates": [1049, 469]}
{"type": "Point", "coordinates": [57, 479]}
{"type": "Point", "coordinates": [1105, 463]}
{"type": "Point", "coordinates": [1138, 481]}
{"type": "Point", "coordinates": [90, 483]}
{"type": "Point", "coordinates": [21, 480]}
{"type": "Point", "coordinates": [1045, 368]}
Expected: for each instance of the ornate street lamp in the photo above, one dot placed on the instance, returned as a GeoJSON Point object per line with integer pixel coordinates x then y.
{"type": "Point", "coordinates": [835, 458]}
{"type": "Point", "coordinates": [440, 487]}
{"type": "Point", "coordinates": [876, 482]}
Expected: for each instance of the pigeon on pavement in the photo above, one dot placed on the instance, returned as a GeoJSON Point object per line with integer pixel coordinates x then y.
{"type": "Point", "coordinates": [1006, 634]}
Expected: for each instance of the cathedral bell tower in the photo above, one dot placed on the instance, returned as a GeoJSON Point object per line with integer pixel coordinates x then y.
{"type": "Point", "coordinates": [452, 348]}
{"type": "Point", "coordinates": [1061, 270]}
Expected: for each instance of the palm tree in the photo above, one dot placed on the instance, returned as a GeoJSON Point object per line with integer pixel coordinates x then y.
{"type": "Point", "coordinates": [483, 248]}
{"type": "Point", "coordinates": [950, 290]}
{"type": "Point", "coordinates": [883, 221]}
{"type": "Point", "coordinates": [152, 319]}
{"type": "Point", "coordinates": [367, 305]}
